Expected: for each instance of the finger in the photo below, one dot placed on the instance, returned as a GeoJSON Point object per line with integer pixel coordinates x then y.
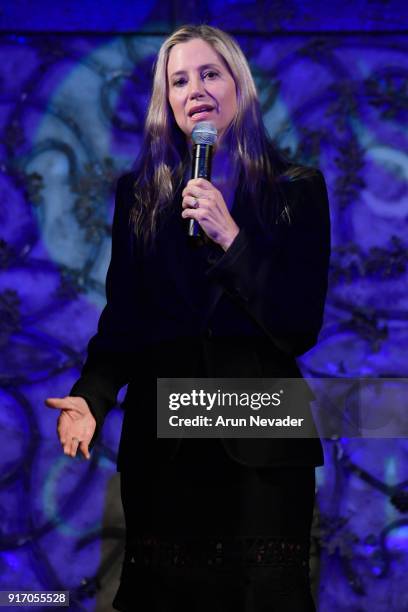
{"type": "Point", "coordinates": [192, 192]}
{"type": "Point", "coordinates": [188, 202]}
{"type": "Point", "coordinates": [66, 447]}
{"type": "Point", "coordinates": [203, 200]}
{"type": "Point", "coordinates": [190, 213]}
{"type": "Point", "coordinates": [69, 444]}
{"type": "Point", "coordinates": [197, 214]}
{"type": "Point", "coordinates": [74, 446]}
{"type": "Point", "coordinates": [192, 202]}
{"type": "Point", "coordinates": [63, 433]}
{"type": "Point", "coordinates": [53, 402]}
{"type": "Point", "coordinates": [201, 182]}
{"type": "Point", "coordinates": [83, 447]}
{"type": "Point", "coordinates": [198, 191]}
{"type": "Point", "coordinates": [58, 402]}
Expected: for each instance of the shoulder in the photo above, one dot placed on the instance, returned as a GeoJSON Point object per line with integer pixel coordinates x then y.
{"type": "Point", "coordinates": [125, 183]}
{"type": "Point", "coordinates": [307, 181]}
{"type": "Point", "coordinates": [300, 177]}
{"type": "Point", "coordinates": [125, 196]}
{"type": "Point", "coordinates": [305, 192]}
{"type": "Point", "coordinates": [124, 201]}
{"type": "Point", "coordinates": [310, 183]}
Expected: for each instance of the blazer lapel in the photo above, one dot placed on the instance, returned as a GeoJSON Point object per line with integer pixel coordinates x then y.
{"type": "Point", "coordinates": [173, 251]}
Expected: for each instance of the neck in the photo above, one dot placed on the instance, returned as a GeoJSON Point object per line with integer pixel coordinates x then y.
{"type": "Point", "coordinates": [224, 174]}
{"type": "Point", "coordinates": [222, 165]}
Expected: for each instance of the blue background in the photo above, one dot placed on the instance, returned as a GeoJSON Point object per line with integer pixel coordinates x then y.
{"type": "Point", "coordinates": [74, 84]}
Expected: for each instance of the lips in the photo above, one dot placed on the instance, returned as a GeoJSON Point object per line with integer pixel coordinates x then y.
{"type": "Point", "coordinates": [200, 109]}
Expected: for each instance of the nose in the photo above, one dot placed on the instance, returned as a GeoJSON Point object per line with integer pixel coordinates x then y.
{"type": "Point", "coordinates": [196, 87]}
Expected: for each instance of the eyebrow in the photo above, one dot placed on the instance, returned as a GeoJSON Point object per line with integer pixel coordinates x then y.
{"type": "Point", "coordinates": [202, 67]}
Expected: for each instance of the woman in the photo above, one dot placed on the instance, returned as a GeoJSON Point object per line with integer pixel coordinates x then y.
{"type": "Point", "coordinates": [221, 525]}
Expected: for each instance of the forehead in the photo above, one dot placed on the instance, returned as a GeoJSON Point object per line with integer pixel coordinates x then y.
{"type": "Point", "coordinates": [192, 54]}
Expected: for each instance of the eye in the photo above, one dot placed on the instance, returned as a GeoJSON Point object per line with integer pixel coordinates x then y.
{"type": "Point", "coordinates": [211, 74]}
{"type": "Point", "coordinates": [180, 82]}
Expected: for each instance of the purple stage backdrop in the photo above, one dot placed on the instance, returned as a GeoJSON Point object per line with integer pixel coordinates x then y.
{"type": "Point", "coordinates": [74, 84]}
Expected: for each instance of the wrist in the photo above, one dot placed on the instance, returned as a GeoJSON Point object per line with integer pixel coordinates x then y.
{"type": "Point", "coordinates": [230, 238]}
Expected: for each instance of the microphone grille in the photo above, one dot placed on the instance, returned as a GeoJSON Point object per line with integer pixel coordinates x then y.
{"type": "Point", "coordinates": [204, 132]}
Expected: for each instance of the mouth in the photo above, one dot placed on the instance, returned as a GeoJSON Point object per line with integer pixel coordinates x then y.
{"type": "Point", "coordinates": [201, 110]}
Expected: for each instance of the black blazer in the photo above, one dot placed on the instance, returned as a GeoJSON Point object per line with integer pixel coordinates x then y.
{"type": "Point", "coordinates": [176, 311]}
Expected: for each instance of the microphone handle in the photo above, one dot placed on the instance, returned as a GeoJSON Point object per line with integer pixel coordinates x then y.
{"type": "Point", "coordinates": [200, 168]}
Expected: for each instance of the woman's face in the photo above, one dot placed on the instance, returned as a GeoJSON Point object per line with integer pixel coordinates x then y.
{"type": "Point", "coordinates": [200, 87]}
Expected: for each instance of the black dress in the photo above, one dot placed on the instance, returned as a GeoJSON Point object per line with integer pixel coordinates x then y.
{"type": "Point", "coordinates": [205, 532]}
{"type": "Point", "coordinates": [217, 536]}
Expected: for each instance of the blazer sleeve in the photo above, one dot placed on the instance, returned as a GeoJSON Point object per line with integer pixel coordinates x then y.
{"type": "Point", "coordinates": [112, 351]}
{"type": "Point", "coordinates": [279, 274]}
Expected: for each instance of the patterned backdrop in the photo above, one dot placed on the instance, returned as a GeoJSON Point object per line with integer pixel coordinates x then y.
{"type": "Point", "coordinates": [74, 85]}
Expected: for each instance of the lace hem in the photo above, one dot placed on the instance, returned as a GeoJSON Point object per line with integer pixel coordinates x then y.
{"type": "Point", "coordinates": [218, 552]}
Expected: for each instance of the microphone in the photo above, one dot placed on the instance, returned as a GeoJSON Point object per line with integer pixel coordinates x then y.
{"type": "Point", "coordinates": [204, 136]}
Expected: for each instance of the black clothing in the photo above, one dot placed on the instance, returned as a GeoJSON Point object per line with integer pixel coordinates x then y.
{"type": "Point", "coordinates": [178, 312]}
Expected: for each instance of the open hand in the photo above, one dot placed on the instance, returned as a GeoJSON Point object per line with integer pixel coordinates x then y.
{"type": "Point", "coordinates": [206, 205]}
{"type": "Point", "coordinates": [76, 424]}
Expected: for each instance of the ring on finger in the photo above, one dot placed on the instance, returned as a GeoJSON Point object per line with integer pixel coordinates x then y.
{"type": "Point", "coordinates": [75, 440]}
{"type": "Point", "coordinates": [196, 203]}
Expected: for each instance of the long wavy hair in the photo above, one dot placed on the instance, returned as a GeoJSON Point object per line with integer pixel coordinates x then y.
{"type": "Point", "coordinates": [165, 154]}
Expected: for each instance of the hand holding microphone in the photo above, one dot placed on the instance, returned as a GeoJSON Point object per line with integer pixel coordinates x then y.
{"type": "Point", "coordinates": [203, 204]}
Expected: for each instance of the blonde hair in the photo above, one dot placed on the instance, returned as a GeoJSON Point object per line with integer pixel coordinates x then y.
{"type": "Point", "coordinates": [165, 155]}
